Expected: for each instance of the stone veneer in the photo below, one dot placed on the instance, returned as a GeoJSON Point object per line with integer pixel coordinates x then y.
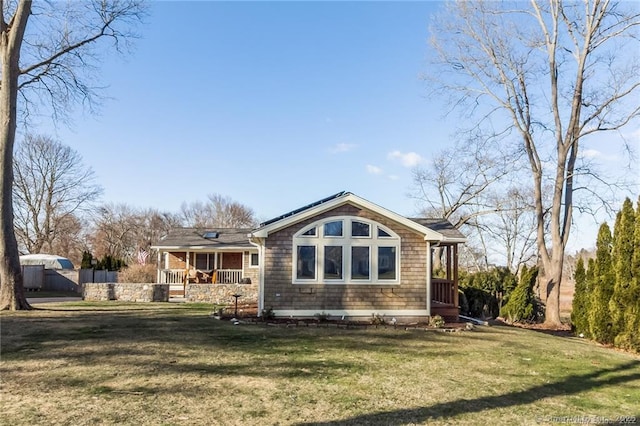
{"type": "Point", "coordinates": [126, 292]}
{"type": "Point", "coordinates": [222, 294]}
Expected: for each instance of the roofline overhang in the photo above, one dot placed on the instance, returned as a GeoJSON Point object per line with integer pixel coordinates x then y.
{"type": "Point", "coordinates": [454, 240]}
{"type": "Point", "coordinates": [202, 248]}
{"type": "Point", "coordinates": [348, 198]}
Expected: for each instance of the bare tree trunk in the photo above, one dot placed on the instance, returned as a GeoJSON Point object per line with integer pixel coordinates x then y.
{"type": "Point", "coordinates": [502, 51]}
{"type": "Point", "coordinates": [11, 34]}
{"type": "Point", "coordinates": [552, 280]}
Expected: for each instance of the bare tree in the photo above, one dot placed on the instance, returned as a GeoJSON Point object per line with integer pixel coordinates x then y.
{"type": "Point", "coordinates": [511, 231]}
{"type": "Point", "coordinates": [121, 231]}
{"type": "Point", "coordinates": [51, 63]}
{"type": "Point", "coordinates": [114, 234]}
{"type": "Point", "coordinates": [553, 73]}
{"type": "Point", "coordinates": [50, 185]}
{"type": "Point", "coordinates": [72, 239]}
{"type": "Point", "coordinates": [156, 224]}
{"type": "Point", "coordinates": [457, 185]}
{"type": "Point", "coordinates": [218, 212]}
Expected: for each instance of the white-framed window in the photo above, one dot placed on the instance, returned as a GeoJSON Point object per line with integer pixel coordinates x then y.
{"type": "Point", "coordinates": [346, 250]}
{"type": "Point", "coordinates": [254, 260]}
{"type": "Point", "coordinates": [204, 261]}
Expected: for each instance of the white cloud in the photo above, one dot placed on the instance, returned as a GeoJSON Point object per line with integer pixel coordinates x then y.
{"type": "Point", "coordinates": [342, 147]}
{"type": "Point", "coordinates": [633, 134]}
{"type": "Point", "coordinates": [408, 159]}
{"type": "Point", "coordinates": [393, 177]}
{"type": "Point", "coordinates": [591, 153]}
{"type": "Point", "coordinates": [595, 154]}
{"type": "Point", "coordinates": [374, 170]}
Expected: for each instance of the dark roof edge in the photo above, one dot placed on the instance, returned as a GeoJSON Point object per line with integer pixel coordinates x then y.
{"type": "Point", "coordinates": [301, 209]}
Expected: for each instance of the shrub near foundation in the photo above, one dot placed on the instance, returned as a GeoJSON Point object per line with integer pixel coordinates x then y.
{"type": "Point", "coordinates": [138, 274]}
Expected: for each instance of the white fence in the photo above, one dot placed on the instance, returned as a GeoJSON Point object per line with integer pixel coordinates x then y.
{"type": "Point", "coordinates": [36, 277]}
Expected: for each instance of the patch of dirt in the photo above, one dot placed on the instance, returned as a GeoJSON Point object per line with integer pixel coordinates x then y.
{"type": "Point", "coordinates": [563, 330]}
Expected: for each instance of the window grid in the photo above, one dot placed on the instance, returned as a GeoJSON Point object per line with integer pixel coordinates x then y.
{"type": "Point", "coordinates": [371, 258]}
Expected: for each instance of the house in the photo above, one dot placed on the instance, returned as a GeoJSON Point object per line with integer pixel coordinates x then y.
{"type": "Point", "coordinates": [347, 257]}
{"type": "Point", "coordinates": [342, 256]}
{"type": "Point", "coordinates": [213, 256]}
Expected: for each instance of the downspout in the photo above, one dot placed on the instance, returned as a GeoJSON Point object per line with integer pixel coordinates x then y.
{"type": "Point", "coordinates": [259, 244]}
{"type": "Point", "coordinates": [429, 278]}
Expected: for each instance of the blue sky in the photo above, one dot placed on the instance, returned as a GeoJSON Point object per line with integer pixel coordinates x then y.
{"type": "Point", "coordinates": [274, 104]}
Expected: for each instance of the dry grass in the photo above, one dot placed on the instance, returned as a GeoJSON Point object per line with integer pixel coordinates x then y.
{"type": "Point", "coordinates": [171, 364]}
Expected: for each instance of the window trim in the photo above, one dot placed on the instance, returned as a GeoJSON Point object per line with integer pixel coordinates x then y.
{"type": "Point", "coordinates": [373, 242]}
{"type": "Point", "coordinates": [251, 264]}
{"type": "Point", "coordinates": [294, 268]}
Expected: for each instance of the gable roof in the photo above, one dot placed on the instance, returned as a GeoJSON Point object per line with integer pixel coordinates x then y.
{"type": "Point", "coordinates": [445, 232]}
{"type": "Point", "coordinates": [194, 238]}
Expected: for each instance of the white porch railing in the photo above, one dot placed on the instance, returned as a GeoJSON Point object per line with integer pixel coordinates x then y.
{"type": "Point", "coordinates": [223, 276]}
{"type": "Point", "coordinates": [228, 276]}
{"type": "Point", "coordinates": [171, 276]}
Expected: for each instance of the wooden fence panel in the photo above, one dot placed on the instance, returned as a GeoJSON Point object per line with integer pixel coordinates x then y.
{"type": "Point", "coordinates": [97, 276]}
{"type": "Point", "coordinates": [61, 280]}
{"type": "Point", "coordinates": [33, 276]}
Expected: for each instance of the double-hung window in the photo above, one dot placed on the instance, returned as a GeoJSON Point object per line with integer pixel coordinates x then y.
{"type": "Point", "coordinates": [346, 250]}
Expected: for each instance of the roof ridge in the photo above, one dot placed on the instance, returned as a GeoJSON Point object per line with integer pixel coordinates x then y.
{"type": "Point", "coordinates": [303, 208]}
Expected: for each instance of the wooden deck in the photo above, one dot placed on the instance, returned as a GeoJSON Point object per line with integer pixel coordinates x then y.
{"type": "Point", "coordinates": [444, 295]}
{"type": "Point", "coordinates": [448, 312]}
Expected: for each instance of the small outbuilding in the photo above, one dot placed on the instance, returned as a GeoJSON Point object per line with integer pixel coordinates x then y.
{"type": "Point", "coordinates": [50, 261]}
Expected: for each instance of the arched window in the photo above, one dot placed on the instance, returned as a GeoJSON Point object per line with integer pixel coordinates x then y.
{"type": "Point", "coordinates": [346, 250]}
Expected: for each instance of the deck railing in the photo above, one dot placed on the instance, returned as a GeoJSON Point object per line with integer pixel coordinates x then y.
{"type": "Point", "coordinates": [223, 276]}
{"type": "Point", "coordinates": [443, 291]}
{"type": "Point", "coordinates": [228, 276]}
{"type": "Point", "coordinates": [172, 276]}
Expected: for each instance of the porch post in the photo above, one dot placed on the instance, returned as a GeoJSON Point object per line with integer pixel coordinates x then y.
{"type": "Point", "coordinates": [455, 275]}
{"type": "Point", "coordinates": [449, 262]}
{"type": "Point", "coordinates": [158, 266]}
{"type": "Point", "coordinates": [429, 278]}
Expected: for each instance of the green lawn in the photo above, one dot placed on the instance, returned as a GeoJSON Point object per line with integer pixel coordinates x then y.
{"type": "Point", "coordinates": [171, 364]}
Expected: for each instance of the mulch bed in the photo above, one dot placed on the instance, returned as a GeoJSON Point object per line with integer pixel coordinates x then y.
{"type": "Point", "coordinates": [248, 314]}
{"type": "Point", "coordinates": [563, 330]}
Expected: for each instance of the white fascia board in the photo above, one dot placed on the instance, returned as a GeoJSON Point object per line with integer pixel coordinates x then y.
{"type": "Point", "coordinates": [454, 240]}
{"type": "Point", "coordinates": [165, 248]}
{"type": "Point", "coordinates": [349, 198]}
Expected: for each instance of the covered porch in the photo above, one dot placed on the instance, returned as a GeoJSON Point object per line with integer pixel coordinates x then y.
{"type": "Point", "coordinates": [444, 281]}
{"type": "Point", "coordinates": [179, 268]}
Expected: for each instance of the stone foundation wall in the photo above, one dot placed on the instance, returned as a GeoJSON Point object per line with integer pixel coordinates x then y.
{"type": "Point", "coordinates": [222, 294]}
{"type": "Point", "coordinates": [126, 292]}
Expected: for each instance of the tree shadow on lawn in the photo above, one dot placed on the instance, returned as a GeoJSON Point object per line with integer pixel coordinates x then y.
{"type": "Point", "coordinates": [39, 337]}
{"type": "Point", "coordinates": [571, 385]}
